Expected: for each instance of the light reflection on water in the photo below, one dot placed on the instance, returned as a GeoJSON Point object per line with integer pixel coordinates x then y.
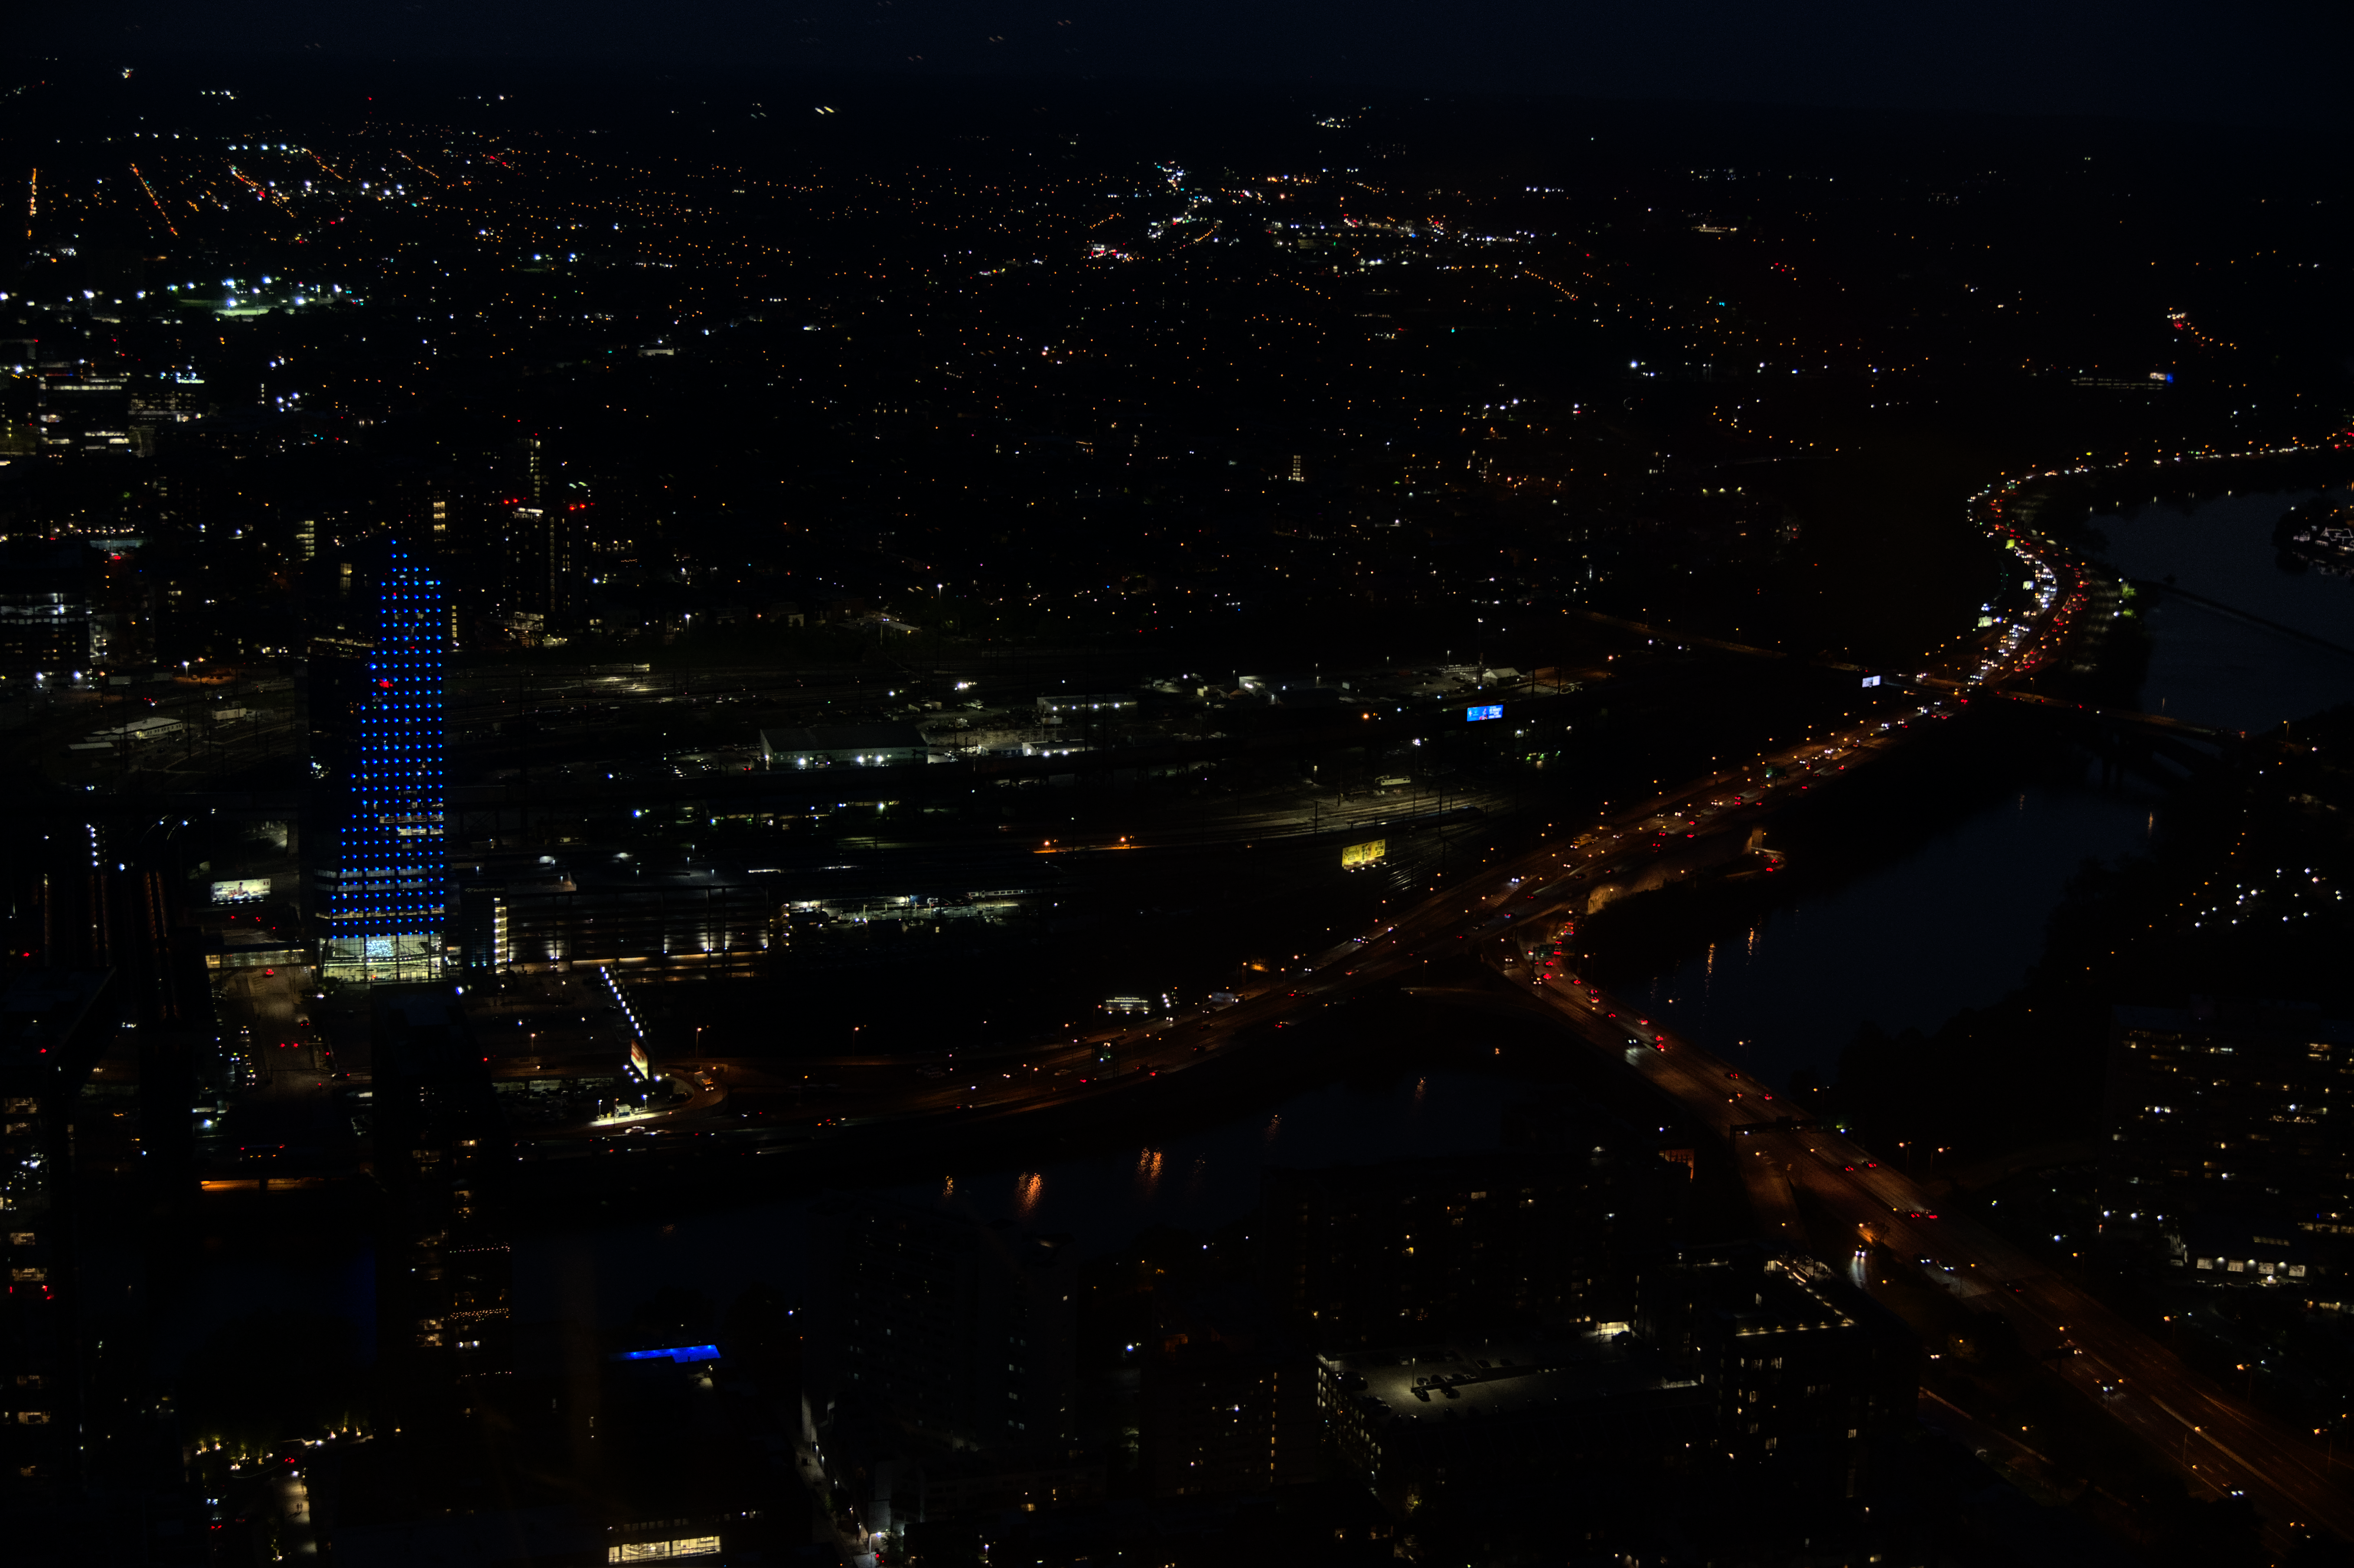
{"type": "Point", "coordinates": [599, 1274]}
{"type": "Point", "coordinates": [1954, 924]}
{"type": "Point", "coordinates": [1957, 924]}
{"type": "Point", "coordinates": [2207, 666]}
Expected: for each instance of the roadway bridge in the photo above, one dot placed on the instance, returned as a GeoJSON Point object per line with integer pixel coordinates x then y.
{"type": "Point", "coordinates": [2130, 741]}
{"type": "Point", "coordinates": [2168, 590]}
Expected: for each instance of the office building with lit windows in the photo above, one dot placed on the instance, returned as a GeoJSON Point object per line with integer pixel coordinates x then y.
{"type": "Point", "coordinates": [2225, 1152]}
{"type": "Point", "coordinates": [383, 879]}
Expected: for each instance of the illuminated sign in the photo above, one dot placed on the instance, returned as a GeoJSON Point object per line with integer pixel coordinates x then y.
{"type": "Point", "coordinates": [1366, 853]}
{"type": "Point", "coordinates": [1871, 680]}
{"type": "Point", "coordinates": [637, 1062]}
{"type": "Point", "coordinates": [244, 890]}
{"type": "Point", "coordinates": [1473, 716]}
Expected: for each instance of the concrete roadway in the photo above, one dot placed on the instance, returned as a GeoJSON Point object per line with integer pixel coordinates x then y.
{"type": "Point", "coordinates": [285, 1057]}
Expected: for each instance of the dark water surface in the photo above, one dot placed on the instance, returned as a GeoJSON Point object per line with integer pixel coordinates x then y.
{"type": "Point", "coordinates": [1954, 924]}
{"type": "Point", "coordinates": [1200, 1181]}
{"type": "Point", "coordinates": [2208, 666]}
{"type": "Point", "coordinates": [1957, 923]}
{"type": "Point", "coordinates": [600, 1273]}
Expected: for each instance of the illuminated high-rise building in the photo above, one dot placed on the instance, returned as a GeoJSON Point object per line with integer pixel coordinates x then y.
{"type": "Point", "coordinates": [540, 578]}
{"type": "Point", "coordinates": [545, 543]}
{"type": "Point", "coordinates": [385, 885]}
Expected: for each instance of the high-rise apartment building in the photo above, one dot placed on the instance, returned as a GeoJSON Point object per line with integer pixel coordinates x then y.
{"type": "Point", "coordinates": [544, 544]}
{"type": "Point", "coordinates": [540, 575]}
{"type": "Point", "coordinates": [1545, 1233]}
{"type": "Point", "coordinates": [383, 879]}
{"type": "Point", "coordinates": [443, 1313]}
{"type": "Point", "coordinates": [1225, 1402]}
{"type": "Point", "coordinates": [945, 1327]}
{"type": "Point", "coordinates": [1805, 1374]}
{"type": "Point", "coordinates": [52, 1032]}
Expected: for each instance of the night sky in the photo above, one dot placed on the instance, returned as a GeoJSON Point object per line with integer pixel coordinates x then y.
{"type": "Point", "coordinates": [2273, 62]}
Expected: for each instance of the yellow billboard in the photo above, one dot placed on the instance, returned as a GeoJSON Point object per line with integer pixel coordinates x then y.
{"type": "Point", "coordinates": [1353, 855]}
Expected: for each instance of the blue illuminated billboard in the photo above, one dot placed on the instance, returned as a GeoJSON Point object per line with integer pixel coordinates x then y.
{"type": "Point", "coordinates": [1473, 716]}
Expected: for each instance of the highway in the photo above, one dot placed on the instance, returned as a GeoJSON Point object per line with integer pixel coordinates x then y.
{"type": "Point", "coordinates": [1502, 913]}
{"type": "Point", "coordinates": [1537, 882]}
{"type": "Point", "coordinates": [2221, 1443]}
{"type": "Point", "coordinates": [1528, 889]}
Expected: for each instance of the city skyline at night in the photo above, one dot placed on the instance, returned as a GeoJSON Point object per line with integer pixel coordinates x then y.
{"type": "Point", "coordinates": [883, 786]}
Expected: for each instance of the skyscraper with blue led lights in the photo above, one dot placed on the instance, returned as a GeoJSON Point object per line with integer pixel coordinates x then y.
{"type": "Point", "coordinates": [384, 896]}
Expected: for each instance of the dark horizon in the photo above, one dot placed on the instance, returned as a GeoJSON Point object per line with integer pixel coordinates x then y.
{"type": "Point", "coordinates": [2193, 60]}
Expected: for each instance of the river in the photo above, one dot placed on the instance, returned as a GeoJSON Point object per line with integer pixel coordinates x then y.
{"type": "Point", "coordinates": [2208, 666]}
{"type": "Point", "coordinates": [1954, 923]}
{"type": "Point", "coordinates": [1200, 1181]}
{"type": "Point", "coordinates": [1958, 922]}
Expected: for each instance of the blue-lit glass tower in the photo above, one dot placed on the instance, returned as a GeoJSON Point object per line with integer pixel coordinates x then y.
{"type": "Point", "coordinates": [384, 900]}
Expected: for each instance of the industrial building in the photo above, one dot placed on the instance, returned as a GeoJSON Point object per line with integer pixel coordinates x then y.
{"type": "Point", "coordinates": [843, 746]}
{"type": "Point", "coordinates": [1475, 1422]}
{"type": "Point", "coordinates": [698, 923]}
